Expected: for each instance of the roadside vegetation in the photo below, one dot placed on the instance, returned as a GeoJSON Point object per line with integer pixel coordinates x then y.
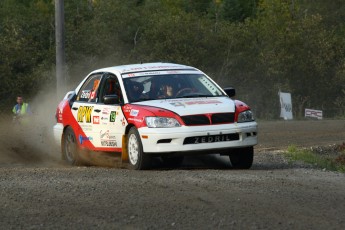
{"type": "Point", "coordinates": [259, 46]}
{"type": "Point", "coordinates": [327, 157]}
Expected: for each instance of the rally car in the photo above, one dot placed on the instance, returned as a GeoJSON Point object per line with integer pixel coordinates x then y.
{"type": "Point", "coordinates": [154, 110]}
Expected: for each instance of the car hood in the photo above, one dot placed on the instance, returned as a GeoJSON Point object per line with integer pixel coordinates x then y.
{"type": "Point", "coordinates": [189, 106]}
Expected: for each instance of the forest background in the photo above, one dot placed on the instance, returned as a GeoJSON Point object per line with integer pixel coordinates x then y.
{"type": "Point", "coordinates": [260, 47]}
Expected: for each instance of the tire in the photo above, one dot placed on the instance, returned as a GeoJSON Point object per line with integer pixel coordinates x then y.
{"type": "Point", "coordinates": [70, 150]}
{"type": "Point", "coordinates": [242, 158]}
{"type": "Point", "coordinates": [138, 160]}
{"type": "Point", "coordinates": [173, 162]}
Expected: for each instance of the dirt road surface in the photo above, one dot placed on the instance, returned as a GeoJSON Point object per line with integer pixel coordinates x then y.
{"type": "Point", "coordinates": [38, 191]}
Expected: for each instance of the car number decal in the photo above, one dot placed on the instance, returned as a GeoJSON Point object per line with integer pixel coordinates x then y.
{"type": "Point", "coordinates": [85, 94]}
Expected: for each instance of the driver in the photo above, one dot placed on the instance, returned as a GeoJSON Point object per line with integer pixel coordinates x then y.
{"type": "Point", "coordinates": [167, 90]}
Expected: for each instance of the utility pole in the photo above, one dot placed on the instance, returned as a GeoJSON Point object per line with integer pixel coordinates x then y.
{"type": "Point", "coordinates": [60, 48]}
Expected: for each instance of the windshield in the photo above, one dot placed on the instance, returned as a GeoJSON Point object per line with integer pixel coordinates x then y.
{"type": "Point", "coordinates": [170, 86]}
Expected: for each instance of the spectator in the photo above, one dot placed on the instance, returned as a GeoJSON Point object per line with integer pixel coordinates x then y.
{"type": "Point", "coordinates": [21, 108]}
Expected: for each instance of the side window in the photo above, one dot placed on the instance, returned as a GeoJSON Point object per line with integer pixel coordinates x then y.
{"type": "Point", "coordinates": [111, 86]}
{"type": "Point", "coordinates": [89, 91]}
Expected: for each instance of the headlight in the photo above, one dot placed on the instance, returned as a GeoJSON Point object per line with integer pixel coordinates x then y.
{"type": "Point", "coordinates": [245, 116]}
{"type": "Point", "coordinates": [161, 122]}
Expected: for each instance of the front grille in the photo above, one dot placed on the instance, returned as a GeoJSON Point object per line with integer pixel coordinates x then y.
{"type": "Point", "coordinates": [196, 120]}
{"type": "Point", "coordinates": [219, 118]}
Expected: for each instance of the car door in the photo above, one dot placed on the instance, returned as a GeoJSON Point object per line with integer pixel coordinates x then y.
{"type": "Point", "coordinates": [84, 109]}
{"type": "Point", "coordinates": [110, 119]}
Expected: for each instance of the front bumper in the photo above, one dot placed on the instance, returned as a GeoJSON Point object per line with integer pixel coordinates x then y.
{"type": "Point", "coordinates": [173, 140]}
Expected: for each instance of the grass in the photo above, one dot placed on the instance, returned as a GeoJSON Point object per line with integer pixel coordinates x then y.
{"type": "Point", "coordinates": [332, 162]}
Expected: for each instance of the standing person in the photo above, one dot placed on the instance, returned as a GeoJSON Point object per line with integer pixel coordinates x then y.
{"type": "Point", "coordinates": [21, 109]}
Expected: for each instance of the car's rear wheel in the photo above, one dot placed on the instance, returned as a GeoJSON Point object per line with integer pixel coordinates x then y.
{"type": "Point", "coordinates": [137, 158]}
{"type": "Point", "coordinates": [70, 148]}
{"type": "Point", "coordinates": [242, 158]}
{"type": "Point", "coordinates": [172, 161]}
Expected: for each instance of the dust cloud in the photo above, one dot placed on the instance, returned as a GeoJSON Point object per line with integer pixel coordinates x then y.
{"type": "Point", "coordinates": [32, 143]}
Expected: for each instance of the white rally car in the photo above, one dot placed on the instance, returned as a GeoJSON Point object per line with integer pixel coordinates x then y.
{"type": "Point", "coordinates": [154, 110]}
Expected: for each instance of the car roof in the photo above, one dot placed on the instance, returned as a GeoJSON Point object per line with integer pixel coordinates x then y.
{"type": "Point", "coordinates": [145, 67]}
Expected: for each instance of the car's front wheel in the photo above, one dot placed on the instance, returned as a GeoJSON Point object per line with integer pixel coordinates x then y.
{"type": "Point", "coordinates": [242, 158]}
{"type": "Point", "coordinates": [70, 151]}
{"type": "Point", "coordinates": [137, 158]}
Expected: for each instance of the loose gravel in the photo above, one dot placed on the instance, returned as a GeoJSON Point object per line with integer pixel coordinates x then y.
{"type": "Point", "coordinates": [39, 192]}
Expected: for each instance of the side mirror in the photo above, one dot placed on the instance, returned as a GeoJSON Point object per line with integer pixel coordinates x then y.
{"type": "Point", "coordinates": [231, 92]}
{"type": "Point", "coordinates": [111, 99]}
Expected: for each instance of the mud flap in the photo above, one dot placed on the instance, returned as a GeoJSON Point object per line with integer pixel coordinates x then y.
{"type": "Point", "coordinates": [124, 155]}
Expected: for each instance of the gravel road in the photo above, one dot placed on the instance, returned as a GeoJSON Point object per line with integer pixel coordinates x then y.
{"type": "Point", "coordinates": [40, 192]}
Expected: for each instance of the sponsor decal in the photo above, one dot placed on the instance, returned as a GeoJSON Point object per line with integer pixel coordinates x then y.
{"type": "Point", "coordinates": [109, 143]}
{"type": "Point", "coordinates": [85, 94]}
{"type": "Point", "coordinates": [152, 73]}
{"type": "Point", "coordinates": [60, 110]}
{"type": "Point", "coordinates": [107, 139]}
{"type": "Point", "coordinates": [84, 112]}
{"type": "Point", "coordinates": [196, 102]}
{"type": "Point", "coordinates": [82, 139]}
{"type": "Point", "coordinates": [202, 102]}
{"type": "Point", "coordinates": [134, 112]}
{"type": "Point", "coordinates": [150, 67]}
{"type": "Point", "coordinates": [126, 109]}
{"type": "Point", "coordinates": [93, 95]}
{"type": "Point", "coordinates": [105, 111]}
{"type": "Point", "coordinates": [135, 119]}
{"type": "Point", "coordinates": [86, 127]}
{"type": "Point", "coordinates": [112, 117]}
{"type": "Point", "coordinates": [60, 114]}
{"type": "Point", "coordinates": [95, 120]}
{"type": "Point", "coordinates": [212, 138]}
{"type": "Point", "coordinates": [162, 70]}
{"type": "Point", "coordinates": [177, 104]}
{"type": "Point", "coordinates": [104, 135]}
{"type": "Point", "coordinates": [123, 121]}
{"type": "Point", "coordinates": [104, 118]}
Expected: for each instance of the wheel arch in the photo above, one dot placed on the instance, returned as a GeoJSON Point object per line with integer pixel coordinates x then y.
{"type": "Point", "coordinates": [124, 153]}
{"type": "Point", "coordinates": [128, 127]}
{"type": "Point", "coordinates": [135, 150]}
